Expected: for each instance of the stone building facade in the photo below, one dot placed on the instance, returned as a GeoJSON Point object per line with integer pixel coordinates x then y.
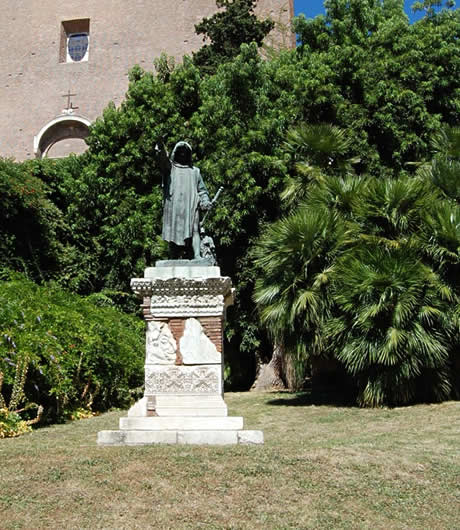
{"type": "Point", "coordinates": [62, 62]}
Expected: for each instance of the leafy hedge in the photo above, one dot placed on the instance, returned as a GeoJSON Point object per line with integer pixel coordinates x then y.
{"type": "Point", "coordinates": [70, 353]}
{"type": "Point", "coordinates": [31, 226]}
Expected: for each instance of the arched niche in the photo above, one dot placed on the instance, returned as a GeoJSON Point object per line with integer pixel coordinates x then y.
{"type": "Point", "coordinates": [59, 130]}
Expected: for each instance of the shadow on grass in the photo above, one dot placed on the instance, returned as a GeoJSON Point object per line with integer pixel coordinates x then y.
{"type": "Point", "coordinates": [310, 397]}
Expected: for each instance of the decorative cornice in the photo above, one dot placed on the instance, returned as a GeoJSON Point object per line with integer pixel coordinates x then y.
{"type": "Point", "coordinates": [142, 287]}
{"type": "Point", "coordinates": [174, 297]}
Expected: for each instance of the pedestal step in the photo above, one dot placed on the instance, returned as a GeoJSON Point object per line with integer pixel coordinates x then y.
{"type": "Point", "coordinates": [196, 437]}
{"type": "Point", "coordinates": [169, 269]}
{"type": "Point", "coordinates": [190, 411]}
{"type": "Point", "coordinates": [175, 405]}
{"type": "Point", "coordinates": [181, 423]}
{"type": "Point", "coordinates": [179, 405]}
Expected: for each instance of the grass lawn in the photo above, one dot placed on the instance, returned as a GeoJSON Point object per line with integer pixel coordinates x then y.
{"type": "Point", "coordinates": [322, 466]}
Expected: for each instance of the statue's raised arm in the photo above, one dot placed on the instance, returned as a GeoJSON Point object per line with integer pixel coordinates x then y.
{"type": "Point", "coordinates": [162, 160]}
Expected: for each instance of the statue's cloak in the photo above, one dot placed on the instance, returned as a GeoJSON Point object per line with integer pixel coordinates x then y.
{"type": "Point", "coordinates": [183, 188]}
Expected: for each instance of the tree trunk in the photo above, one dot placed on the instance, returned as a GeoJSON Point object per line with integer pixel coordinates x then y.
{"type": "Point", "coordinates": [270, 375]}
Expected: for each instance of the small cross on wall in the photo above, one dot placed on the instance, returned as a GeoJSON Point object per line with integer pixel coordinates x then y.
{"type": "Point", "coordinates": [70, 108]}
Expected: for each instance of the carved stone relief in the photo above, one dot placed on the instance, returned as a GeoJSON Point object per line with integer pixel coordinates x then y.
{"type": "Point", "coordinates": [182, 380]}
{"type": "Point", "coordinates": [195, 346]}
{"type": "Point", "coordinates": [161, 347]}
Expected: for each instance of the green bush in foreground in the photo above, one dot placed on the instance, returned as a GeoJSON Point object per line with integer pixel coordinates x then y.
{"type": "Point", "coordinates": [71, 354]}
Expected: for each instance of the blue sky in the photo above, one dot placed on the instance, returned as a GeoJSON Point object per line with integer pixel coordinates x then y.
{"type": "Point", "coordinates": [311, 8]}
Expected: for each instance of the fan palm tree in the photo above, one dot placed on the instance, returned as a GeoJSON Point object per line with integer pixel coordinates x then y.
{"type": "Point", "coordinates": [391, 211]}
{"type": "Point", "coordinates": [288, 292]}
{"type": "Point", "coordinates": [442, 246]}
{"type": "Point", "coordinates": [366, 270]}
{"type": "Point", "coordinates": [390, 333]}
{"type": "Point", "coordinates": [408, 241]}
{"type": "Point", "coordinates": [319, 150]}
{"type": "Point", "coordinates": [444, 168]}
{"type": "Point", "coordinates": [296, 256]}
{"type": "Point", "coordinates": [441, 236]}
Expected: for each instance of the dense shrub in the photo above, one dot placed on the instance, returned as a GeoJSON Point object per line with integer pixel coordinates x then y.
{"type": "Point", "coordinates": [31, 226]}
{"type": "Point", "coordinates": [73, 353]}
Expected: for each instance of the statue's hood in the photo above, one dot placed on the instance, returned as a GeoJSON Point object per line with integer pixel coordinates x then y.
{"type": "Point", "coordinates": [187, 146]}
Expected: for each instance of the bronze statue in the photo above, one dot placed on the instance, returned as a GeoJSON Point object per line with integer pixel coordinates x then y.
{"type": "Point", "coordinates": [184, 196]}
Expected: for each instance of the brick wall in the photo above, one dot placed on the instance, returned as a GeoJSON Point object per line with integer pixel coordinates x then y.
{"type": "Point", "coordinates": [33, 81]}
{"type": "Point", "coordinates": [212, 327]}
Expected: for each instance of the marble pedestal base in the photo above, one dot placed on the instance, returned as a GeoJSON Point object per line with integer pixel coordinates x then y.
{"type": "Point", "coordinates": [201, 430]}
{"type": "Point", "coordinates": [184, 307]}
{"type": "Point", "coordinates": [192, 437]}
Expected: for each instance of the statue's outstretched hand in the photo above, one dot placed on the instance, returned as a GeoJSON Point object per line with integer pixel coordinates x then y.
{"type": "Point", "coordinates": [160, 146]}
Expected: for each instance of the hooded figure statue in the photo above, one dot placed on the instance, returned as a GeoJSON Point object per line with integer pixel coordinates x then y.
{"type": "Point", "coordinates": [184, 195]}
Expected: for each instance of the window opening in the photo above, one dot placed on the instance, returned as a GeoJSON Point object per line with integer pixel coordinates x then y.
{"type": "Point", "coordinates": [75, 41]}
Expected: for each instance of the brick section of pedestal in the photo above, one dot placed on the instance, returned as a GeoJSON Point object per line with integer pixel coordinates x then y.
{"type": "Point", "coordinates": [145, 306]}
{"type": "Point", "coordinates": [177, 326]}
{"type": "Point", "coordinates": [212, 327]}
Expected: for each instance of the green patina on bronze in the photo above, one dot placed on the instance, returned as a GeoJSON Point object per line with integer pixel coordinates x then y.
{"type": "Point", "coordinates": [184, 195]}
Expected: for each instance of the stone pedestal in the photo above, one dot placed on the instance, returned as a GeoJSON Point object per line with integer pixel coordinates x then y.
{"type": "Point", "coordinates": [184, 305]}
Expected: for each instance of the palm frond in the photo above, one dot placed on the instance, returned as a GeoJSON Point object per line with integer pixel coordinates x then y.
{"type": "Point", "coordinates": [395, 321]}
{"type": "Point", "coordinates": [318, 138]}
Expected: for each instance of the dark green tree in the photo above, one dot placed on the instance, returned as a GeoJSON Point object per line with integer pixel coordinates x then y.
{"type": "Point", "coordinates": [366, 75]}
{"type": "Point", "coordinates": [235, 24]}
{"type": "Point", "coordinates": [32, 229]}
{"type": "Point", "coordinates": [390, 82]}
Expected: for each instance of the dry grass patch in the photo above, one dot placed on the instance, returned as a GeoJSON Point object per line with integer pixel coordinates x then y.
{"type": "Point", "coordinates": [321, 467]}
